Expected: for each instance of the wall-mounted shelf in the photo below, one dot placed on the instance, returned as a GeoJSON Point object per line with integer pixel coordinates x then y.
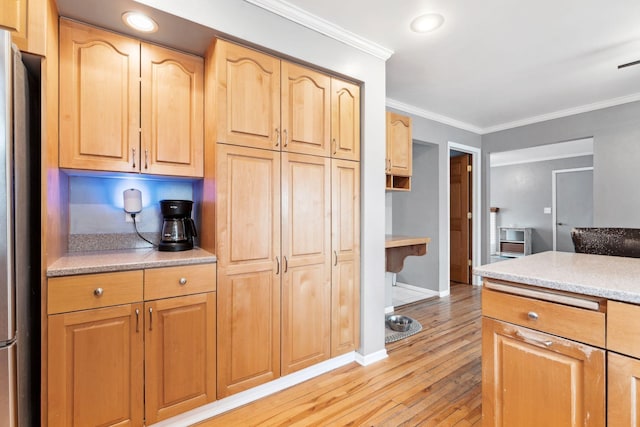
{"type": "Point", "coordinates": [399, 183]}
{"type": "Point", "coordinates": [514, 242]}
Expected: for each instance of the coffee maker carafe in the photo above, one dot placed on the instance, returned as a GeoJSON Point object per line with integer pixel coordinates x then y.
{"type": "Point", "coordinates": [178, 229]}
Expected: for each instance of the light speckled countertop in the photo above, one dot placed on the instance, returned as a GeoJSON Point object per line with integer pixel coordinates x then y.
{"type": "Point", "coordinates": [611, 277]}
{"type": "Point", "coordinates": [130, 259]}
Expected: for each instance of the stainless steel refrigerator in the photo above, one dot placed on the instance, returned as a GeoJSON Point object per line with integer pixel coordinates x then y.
{"type": "Point", "coordinates": [19, 243]}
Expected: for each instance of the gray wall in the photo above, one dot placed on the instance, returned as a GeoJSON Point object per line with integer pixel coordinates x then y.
{"type": "Point", "coordinates": [415, 213]}
{"type": "Point", "coordinates": [616, 139]}
{"type": "Point", "coordinates": [437, 134]}
{"type": "Point", "coordinates": [522, 191]}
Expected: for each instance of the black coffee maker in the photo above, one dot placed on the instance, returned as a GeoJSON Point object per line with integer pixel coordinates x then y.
{"type": "Point", "coordinates": [178, 229]}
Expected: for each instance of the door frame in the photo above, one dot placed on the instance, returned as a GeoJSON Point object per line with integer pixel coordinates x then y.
{"type": "Point", "coordinates": [554, 214]}
{"type": "Point", "coordinates": [476, 208]}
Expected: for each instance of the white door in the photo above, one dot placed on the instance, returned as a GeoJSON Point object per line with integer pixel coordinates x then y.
{"type": "Point", "coordinates": [572, 191]}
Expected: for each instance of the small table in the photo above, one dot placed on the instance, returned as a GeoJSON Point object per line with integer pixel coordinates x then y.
{"type": "Point", "coordinates": [397, 248]}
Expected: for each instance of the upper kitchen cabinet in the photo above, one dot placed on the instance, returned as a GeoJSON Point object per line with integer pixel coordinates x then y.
{"type": "Point", "coordinates": [247, 96]}
{"type": "Point", "coordinates": [26, 21]}
{"type": "Point", "coordinates": [399, 154]}
{"type": "Point", "coordinates": [264, 102]}
{"type": "Point", "coordinates": [345, 120]}
{"type": "Point", "coordinates": [306, 114]}
{"type": "Point", "coordinates": [127, 106]}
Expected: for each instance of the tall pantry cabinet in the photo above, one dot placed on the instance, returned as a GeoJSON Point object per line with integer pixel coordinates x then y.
{"type": "Point", "coordinates": [287, 214]}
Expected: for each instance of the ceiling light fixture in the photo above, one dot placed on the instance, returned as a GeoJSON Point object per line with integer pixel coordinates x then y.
{"type": "Point", "coordinates": [139, 21]}
{"type": "Point", "coordinates": [427, 23]}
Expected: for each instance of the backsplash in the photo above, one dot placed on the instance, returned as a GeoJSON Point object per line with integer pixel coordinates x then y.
{"type": "Point", "coordinates": [96, 215]}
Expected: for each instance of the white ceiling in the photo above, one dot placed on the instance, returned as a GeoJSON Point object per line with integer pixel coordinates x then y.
{"type": "Point", "coordinates": [494, 64]}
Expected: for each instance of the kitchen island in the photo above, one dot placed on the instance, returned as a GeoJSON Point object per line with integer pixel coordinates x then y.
{"type": "Point", "coordinates": [559, 342]}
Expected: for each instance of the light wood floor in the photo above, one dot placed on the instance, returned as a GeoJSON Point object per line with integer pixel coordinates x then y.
{"type": "Point", "coordinates": [429, 379]}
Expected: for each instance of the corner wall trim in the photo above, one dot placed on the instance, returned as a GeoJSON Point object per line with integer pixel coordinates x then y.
{"type": "Point", "coordinates": [368, 359]}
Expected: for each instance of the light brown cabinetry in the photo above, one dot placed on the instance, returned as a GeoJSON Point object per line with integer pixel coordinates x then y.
{"type": "Point", "coordinates": [26, 21]}
{"type": "Point", "coordinates": [129, 362]}
{"type": "Point", "coordinates": [345, 274]}
{"type": "Point", "coordinates": [279, 125]}
{"type": "Point", "coordinates": [306, 257]}
{"type": "Point", "coordinates": [249, 267]}
{"type": "Point", "coordinates": [623, 364]}
{"type": "Point", "coordinates": [263, 102]}
{"type": "Point", "coordinates": [399, 161]}
{"type": "Point", "coordinates": [531, 376]}
{"type": "Point", "coordinates": [127, 106]}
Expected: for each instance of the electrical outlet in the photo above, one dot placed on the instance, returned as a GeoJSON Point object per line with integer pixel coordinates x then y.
{"type": "Point", "coordinates": [128, 218]}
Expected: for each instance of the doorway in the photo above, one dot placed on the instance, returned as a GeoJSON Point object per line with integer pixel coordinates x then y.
{"type": "Point", "coordinates": [463, 213]}
{"type": "Point", "coordinates": [460, 215]}
{"type": "Point", "coordinates": [572, 204]}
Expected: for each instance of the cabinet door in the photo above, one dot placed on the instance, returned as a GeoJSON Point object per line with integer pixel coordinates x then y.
{"type": "Point", "coordinates": [306, 106]}
{"type": "Point", "coordinates": [249, 267]}
{"type": "Point", "coordinates": [13, 15]}
{"type": "Point", "coordinates": [535, 379]}
{"type": "Point", "coordinates": [398, 144]}
{"type": "Point", "coordinates": [180, 360]}
{"type": "Point", "coordinates": [306, 252]}
{"type": "Point", "coordinates": [26, 20]}
{"type": "Point", "coordinates": [248, 97]}
{"type": "Point", "coordinates": [345, 120]}
{"type": "Point", "coordinates": [345, 244]}
{"type": "Point", "coordinates": [172, 112]}
{"type": "Point", "coordinates": [623, 396]}
{"type": "Point", "coordinates": [95, 367]}
{"type": "Point", "coordinates": [99, 99]}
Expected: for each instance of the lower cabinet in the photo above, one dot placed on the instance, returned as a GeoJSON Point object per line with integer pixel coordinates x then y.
{"type": "Point", "coordinates": [137, 362]}
{"type": "Point", "coordinates": [95, 367]}
{"type": "Point", "coordinates": [536, 379]}
{"type": "Point", "coordinates": [623, 395]}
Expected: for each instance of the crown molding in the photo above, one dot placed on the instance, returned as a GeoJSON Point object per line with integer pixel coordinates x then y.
{"type": "Point", "coordinates": [565, 113]}
{"type": "Point", "coordinates": [407, 108]}
{"type": "Point", "coordinates": [313, 22]}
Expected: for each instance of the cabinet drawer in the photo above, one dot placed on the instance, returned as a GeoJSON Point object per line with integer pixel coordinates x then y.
{"type": "Point", "coordinates": [176, 281]}
{"type": "Point", "coordinates": [512, 247]}
{"type": "Point", "coordinates": [579, 324]}
{"type": "Point", "coordinates": [623, 328]}
{"type": "Point", "coordinates": [71, 293]}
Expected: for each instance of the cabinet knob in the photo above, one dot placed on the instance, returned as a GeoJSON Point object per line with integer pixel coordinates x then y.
{"type": "Point", "coordinates": [183, 281]}
{"type": "Point", "coordinates": [98, 292]}
{"type": "Point", "coordinates": [532, 315]}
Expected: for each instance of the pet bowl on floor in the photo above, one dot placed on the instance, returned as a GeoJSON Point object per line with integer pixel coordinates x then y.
{"type": "Point", "coordinates": [399, 323]}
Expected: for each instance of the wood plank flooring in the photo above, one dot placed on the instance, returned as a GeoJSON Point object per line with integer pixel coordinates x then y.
{"type": "Point", "coordinates": [429, 379]}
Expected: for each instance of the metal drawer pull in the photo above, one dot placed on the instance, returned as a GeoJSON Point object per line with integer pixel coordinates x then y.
{"type": "Point", "coordinates": [133, 155]}
{"type": "Point", "coordinates": [277, 265]}
{"type": "Point", "coordinates": [98, 292]}
{"type": "Point", "coordinates": [534, 340]}
{"type": "Point", "coordinates": [183, 281]}
{"type": "Point", "coordinates": [336, 255]}
{"type": "Point", "coordinates": [286, 264]}
{"type": "Point", "coordinates": [146, 158]}
{"type": "Point", "coordinates": [277, 137]}
{"type": "Point", "coordinates": [335, 146]}
{"type": "Point", "coordinates": [533, 315]}
{"type": "Point", "coordinates": [550, 296]}
{"type": "Point", "coordinates": [284, 133]}
{"type": "Point", "coordinates": [137, 320]}
{"type": "Point", "coordinates": [150, 318]}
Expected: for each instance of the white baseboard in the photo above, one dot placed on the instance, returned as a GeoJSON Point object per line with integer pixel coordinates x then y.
{"type": "Point", "coordinates": [425, 291]}
{"type": "Point", "coordinates": [445, 293]}
{"type": "Point", "coordinates": [228, 403]}
{"type": "Point", "coordinates": [389, 309]}
{"type": "Point", "coordinates": [371, 358]}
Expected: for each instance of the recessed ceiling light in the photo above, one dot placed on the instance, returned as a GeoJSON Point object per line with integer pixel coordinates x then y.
{"type": "Point", "coordinates": [139, 21]}
{"type": "Point", "coordinates": [426, 23]}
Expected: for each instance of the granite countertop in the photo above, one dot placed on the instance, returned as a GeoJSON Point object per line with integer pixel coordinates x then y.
{"type": "Point", "coordinates": [611, 277]}
{"type": "Point", "coordinates": [120, 260]}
